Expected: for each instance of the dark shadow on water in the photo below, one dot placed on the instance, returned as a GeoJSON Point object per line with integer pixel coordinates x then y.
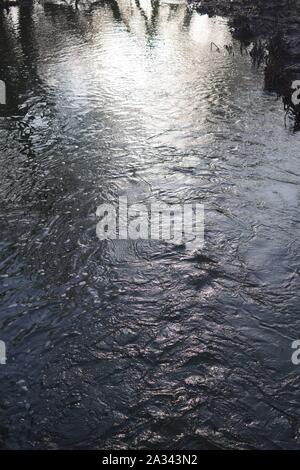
{"type": "Point", "coordinates": [272, 28]}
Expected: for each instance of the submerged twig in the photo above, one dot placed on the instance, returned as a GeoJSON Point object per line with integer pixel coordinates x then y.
{"type": "Point", "coordinates": [214, 44]}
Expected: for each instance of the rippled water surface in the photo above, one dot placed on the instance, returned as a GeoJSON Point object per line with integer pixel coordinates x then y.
{"type": "Point", "coordinates": [138, 343]}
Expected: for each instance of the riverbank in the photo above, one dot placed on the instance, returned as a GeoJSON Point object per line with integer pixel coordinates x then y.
{"type": "Point", "coordinates": [273, 26]}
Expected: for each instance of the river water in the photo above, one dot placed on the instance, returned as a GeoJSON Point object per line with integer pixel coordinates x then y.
{"type": "Point", "coordinates": [144, 344]}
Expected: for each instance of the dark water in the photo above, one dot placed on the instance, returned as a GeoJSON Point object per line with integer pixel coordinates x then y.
{"type": "Point", "coordinates": [139, 344]}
